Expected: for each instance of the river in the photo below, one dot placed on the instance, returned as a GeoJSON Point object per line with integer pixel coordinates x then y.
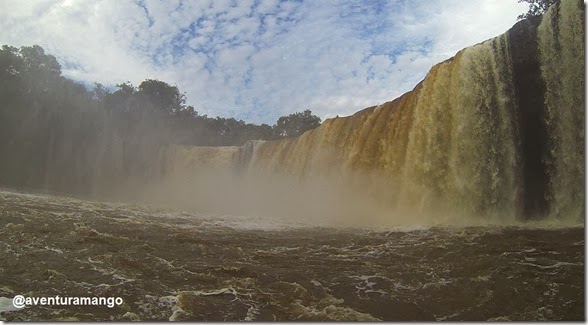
{"type": "Point", "coordinates": [174, 265]}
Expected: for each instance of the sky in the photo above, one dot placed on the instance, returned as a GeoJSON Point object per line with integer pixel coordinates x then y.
{"type": "Point", "coordinates": [258, 60]}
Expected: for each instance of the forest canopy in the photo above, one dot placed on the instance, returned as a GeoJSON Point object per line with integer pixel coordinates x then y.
{"type": "Point", "coordinates": [30, 72]}
{"type": "Point", "coordinates": [536, 7]}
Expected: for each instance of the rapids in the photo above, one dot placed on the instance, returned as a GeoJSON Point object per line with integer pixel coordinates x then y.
{"type": "Point", "coordinates": [175, 265]}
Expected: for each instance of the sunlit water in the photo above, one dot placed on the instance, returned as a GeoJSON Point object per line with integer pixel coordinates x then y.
{"type": "Point", "coordinates": [170, 265]}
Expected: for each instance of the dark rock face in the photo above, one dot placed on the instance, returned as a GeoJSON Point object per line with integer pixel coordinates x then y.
{"type": "Point", "coordinates": [530, 93]}
{"type": "Point", "coordinates": [546, 54]}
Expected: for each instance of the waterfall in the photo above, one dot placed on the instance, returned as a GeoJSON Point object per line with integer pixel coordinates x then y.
{"type": "Point", "coordinates": [561, 48]}
{"type": "Point", "coordinates": [494, 133]}
{"type": "Point", "coordinates": [462, 148]}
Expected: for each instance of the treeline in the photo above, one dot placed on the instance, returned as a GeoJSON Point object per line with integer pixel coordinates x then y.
{"type": "Point", "coordinates": [188, 127]}
{"type": "Point", "coordinates": [56, 134]}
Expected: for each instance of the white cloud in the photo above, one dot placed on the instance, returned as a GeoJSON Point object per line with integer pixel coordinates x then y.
{"type": "Point", "coordinates": [258, 59]}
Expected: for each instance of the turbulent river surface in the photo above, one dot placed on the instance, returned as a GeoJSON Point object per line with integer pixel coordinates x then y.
{"type": "Point", "coordinates": [170, 265]}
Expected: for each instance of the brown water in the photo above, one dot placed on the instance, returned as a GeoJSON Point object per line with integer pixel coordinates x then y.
{"type": "Point", "coordinates": [183, 266]}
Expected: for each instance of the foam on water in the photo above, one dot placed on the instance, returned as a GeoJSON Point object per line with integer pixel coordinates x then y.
{"type": "Point", "coordinates": [6, 305]}
{"type": "Point", "coordinates": [184, 266]}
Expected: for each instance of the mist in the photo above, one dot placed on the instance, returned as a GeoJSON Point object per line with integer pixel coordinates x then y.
{"type": "Point", "coordinates": [469, 144]}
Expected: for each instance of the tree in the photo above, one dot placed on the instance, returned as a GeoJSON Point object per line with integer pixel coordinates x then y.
{"type": "Point", "coordinates": [536, 7]}
{"type": "Point", "coordinates": [99, 92]}
{"type": "Point", "coordinates": [122, 100]}
{"type": "Point", "coordinates": [295, 124]}
{"type": "Point", "coordinates": [162, 96]}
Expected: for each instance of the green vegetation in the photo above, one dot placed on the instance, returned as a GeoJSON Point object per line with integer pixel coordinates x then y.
{"type": "Point", "coordinates": [57, 134]}
{"type": "Point", "coordinates": [536, 7]}
{"type": "Point", "coordinates": [295, 124]}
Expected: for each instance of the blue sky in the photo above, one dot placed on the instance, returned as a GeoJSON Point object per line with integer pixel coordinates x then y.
{"type": "Point", "coordinates": [258, 59]}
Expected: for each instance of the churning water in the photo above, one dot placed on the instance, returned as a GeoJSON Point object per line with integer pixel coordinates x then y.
{"type": "Point", "coordinates": [170, 265]}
